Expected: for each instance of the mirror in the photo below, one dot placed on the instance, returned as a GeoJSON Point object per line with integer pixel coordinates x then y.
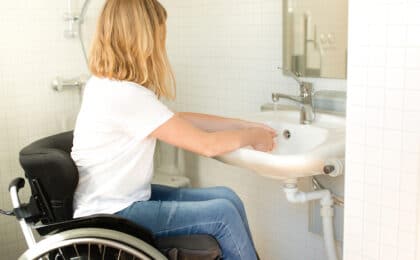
{"type": "Point", "coordinates": [315, 38]}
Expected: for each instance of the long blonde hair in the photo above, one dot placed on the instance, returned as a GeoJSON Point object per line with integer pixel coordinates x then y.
{"type": "Point", "coordinates": [130, 45]}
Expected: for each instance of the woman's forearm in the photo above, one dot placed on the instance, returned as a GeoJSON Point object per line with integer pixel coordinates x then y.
{"type": "Point", "coordinates": [181, 133]}
{"type": "Point", "coordinates": [211, 123]}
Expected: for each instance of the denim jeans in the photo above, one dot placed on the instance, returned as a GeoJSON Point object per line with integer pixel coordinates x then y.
{"type": "Point", "coordinates": [215, 211]}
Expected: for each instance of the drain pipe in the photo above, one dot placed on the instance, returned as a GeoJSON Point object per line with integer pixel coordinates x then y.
{"type": "Point", "coordinates": [293, 195]}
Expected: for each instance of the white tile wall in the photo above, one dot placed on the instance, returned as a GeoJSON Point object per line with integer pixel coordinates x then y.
{"type": "Point", "coordinates": [32, 52]}
{"type": "Point", "coordinates": [383, 155]}
{"type": "Point", "coordinates": [223, 52]}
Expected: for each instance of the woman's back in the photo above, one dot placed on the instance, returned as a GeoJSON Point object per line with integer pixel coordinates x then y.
{"type": "Point", "coordinates": [112, 150]}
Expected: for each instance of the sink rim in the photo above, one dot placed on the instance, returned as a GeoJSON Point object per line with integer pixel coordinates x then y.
{"type": "Point", "coordinates": [293, 117]}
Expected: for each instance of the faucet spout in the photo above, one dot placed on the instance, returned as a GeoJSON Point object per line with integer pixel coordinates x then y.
{"type": "Point", "coordinates": [307, 114]}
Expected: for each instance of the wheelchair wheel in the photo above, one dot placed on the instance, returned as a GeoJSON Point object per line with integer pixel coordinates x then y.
{"type": "Point", "coordinates": [92, 244]}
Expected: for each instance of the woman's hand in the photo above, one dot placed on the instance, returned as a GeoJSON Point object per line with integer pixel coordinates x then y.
{"type": "Point", "coordinates": [262, 138]}
{"type": "Point", "coordinates": [248, 124]}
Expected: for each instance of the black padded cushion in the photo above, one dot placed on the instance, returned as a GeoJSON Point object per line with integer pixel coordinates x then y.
{"type": "Point", "coordinates": [189, 247]}
{"type": "Point", "coordinates": [48, 162]}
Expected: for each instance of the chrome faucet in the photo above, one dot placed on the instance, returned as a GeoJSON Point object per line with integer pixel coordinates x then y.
{"type": "Point", "coordinates": [307, 113]}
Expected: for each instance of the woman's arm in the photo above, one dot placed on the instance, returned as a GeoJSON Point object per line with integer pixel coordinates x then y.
{"type": "Point", "coordinates": [213, 123]}
{"type": "Point", "coordinates": [179, 132]}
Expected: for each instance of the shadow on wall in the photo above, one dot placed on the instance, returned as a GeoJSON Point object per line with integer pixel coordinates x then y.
{"type": "Point", "coordinates": [188, 163]}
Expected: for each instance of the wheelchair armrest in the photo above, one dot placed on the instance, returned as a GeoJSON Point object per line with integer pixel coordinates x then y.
{"type": "Point", "coordinates": [106, 221]}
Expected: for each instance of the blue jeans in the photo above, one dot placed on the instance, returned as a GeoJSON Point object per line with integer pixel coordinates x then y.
{"type": "Point", "coordinates": [217, 211]}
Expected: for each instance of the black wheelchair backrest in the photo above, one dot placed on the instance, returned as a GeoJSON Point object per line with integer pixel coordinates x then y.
{"type": "Point", "coordinates": [52, 175]}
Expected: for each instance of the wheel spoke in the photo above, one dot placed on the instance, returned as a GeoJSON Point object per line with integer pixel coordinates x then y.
{"type": "Point", "coordinates": [103, 253]}
{"type": "Point", "coordinates": [89, 248]}
{"type": "Point", "coordinates": [75, 250]}
{"type": "Point", "coordinates": [61, 253]}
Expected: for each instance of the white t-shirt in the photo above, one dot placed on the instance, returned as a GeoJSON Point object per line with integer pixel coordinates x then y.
{"type": "Point", "coordinates": [112, 148]}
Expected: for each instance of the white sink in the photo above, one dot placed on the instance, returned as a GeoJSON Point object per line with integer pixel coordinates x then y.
{"type": "Point", "coordinates": [302, 150]}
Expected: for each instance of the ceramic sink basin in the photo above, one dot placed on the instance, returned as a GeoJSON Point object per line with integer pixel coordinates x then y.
{"type": "Point", "coordinates": [301, 150]}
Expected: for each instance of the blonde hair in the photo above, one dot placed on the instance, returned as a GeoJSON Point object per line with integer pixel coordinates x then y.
{"type": "Point", "coordinates": [129, 45]}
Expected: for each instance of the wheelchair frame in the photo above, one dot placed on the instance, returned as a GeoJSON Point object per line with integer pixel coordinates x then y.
{"type": "Point", "coordinates": [122, 242]}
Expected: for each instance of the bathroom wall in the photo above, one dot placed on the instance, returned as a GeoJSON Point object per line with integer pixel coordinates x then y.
{"type": "Point", "coordinates": [224, 53]}
{"type": "Point", "coordinates": [32, 52]}
{"type": "Point", "coordinates": [383, 141]}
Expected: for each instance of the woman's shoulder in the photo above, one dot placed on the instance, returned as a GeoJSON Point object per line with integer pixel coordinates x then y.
{"type": "Point", "coordinates": [118, 86]}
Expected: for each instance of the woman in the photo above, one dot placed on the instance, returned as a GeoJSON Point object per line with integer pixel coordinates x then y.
{"type": "Point", "coordinates": [121, 118]}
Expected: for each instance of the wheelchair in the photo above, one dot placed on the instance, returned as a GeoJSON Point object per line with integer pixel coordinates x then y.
{"type": "Point", "coordinates": [53, 177]}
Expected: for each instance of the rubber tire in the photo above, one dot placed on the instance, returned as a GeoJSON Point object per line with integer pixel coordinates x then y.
{"type": "Point", "coordinates": [51, 242]}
